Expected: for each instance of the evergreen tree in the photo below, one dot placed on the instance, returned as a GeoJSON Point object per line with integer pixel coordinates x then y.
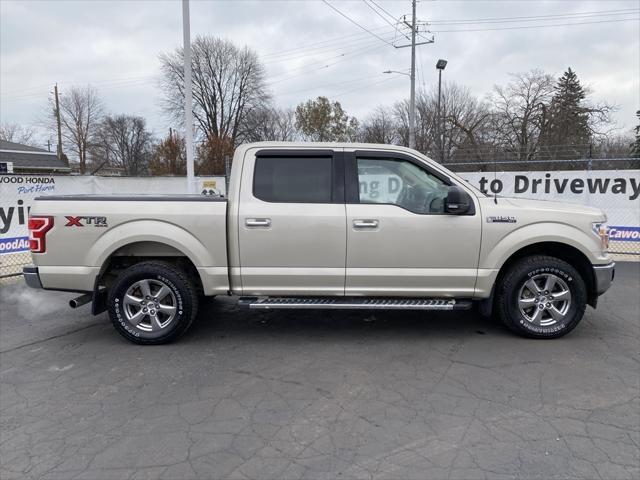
{"type": "Point", "coordinates": [635, 146]}
{"type": "Point", "coordinates": [567, 120]}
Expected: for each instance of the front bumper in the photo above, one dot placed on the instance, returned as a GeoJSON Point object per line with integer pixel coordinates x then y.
{"type": "Point", "coordinates": [604, 275]}
{"type": "Point", "coordinates": [31, 276]}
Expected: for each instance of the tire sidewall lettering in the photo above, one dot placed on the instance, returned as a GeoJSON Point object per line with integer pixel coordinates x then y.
{"type": "Point", "coordinates": [551, 270]}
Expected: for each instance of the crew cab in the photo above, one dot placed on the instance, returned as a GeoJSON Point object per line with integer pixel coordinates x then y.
{"type": "Point", "coordinates": [324, 225]}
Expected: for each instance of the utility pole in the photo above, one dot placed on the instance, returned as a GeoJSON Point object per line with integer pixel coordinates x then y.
{"type": "Point", "coordinates": [59, 149]}
{"type": "Point", "coordinates": [412, 99]}
{"type": "Point", "coordinates": [188, 95]}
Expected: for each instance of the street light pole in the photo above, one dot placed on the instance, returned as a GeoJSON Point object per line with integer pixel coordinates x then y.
{"type": "Point", "coordinates": [188, 95]}
{"type": "Point", "coordinates": [440, 66]}
{"type": "Point", "coordinates": [412, 100]}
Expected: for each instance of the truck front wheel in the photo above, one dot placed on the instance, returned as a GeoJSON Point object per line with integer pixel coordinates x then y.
{"type": "Point", "coordinates": [152, 303]}
{"type": "Point", "coordinates": [541, 297]}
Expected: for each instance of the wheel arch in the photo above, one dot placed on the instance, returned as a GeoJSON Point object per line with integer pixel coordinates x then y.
{"type": "Point", "coordinates": [140, 251]}
{"type": "Point", "coordinates": [562, 251]}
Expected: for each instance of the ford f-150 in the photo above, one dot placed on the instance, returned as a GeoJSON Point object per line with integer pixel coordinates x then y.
{"type": "Point", "coordinates": [344, 226]}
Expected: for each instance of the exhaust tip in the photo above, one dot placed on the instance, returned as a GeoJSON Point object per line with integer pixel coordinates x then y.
{"type": "Point", "coordinates": [79, 301]}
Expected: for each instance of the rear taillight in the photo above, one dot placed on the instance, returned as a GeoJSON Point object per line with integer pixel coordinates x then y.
{"type": "Point", "coordinates": [38, 228]}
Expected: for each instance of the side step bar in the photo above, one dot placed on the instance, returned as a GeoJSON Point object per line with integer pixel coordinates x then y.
{"type": "Point", "coordinates": [355, 303]}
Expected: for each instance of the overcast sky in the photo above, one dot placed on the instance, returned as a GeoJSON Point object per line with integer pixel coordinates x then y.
{"type": "Point", "coordinates": [115, 46]}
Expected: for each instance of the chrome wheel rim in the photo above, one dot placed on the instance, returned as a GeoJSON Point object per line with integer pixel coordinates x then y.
{"type": "Point", "coordinates": [544, 299]}
{"type": "Point", "coordinates": [149, 305]}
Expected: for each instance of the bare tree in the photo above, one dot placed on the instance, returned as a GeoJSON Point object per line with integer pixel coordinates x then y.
{"type": "Point", "coordinates": [228, 86]}
{"type": "Point", "coordinates": [80, 113]}
{"type": "Point", "coordinates": [463, 128]}
{"type": "Point", "coordinates": [123, 141]}
{"type": "Point", "coordinates": [466, 124]}
{"type": "Point", "coordinates": [521, 112]}
{"type": "Point", "coordinates": [14, 132]}
{"type": "Point", "coordinates": [270, 124]}
{"type": "Point", "coordinates": [425, 122]}
{"type": "Point", "coordinates": [380, 127]}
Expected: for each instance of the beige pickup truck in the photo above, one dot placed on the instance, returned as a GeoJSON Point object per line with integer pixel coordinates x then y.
{"type": "Point", "coordinates": [340, 226]}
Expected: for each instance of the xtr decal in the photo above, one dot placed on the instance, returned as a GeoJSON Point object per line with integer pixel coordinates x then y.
{"type": "Point", "coordinates": [83, 221]}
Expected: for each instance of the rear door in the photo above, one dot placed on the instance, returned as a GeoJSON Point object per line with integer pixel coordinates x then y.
{"type": "Point", "coordinates": [400, 240]}
{"type": "Point", "coordinates": [292, 230]}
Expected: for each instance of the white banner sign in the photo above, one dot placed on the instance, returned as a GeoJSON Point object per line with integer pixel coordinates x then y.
{"type": "Point", "coordinates": [614, 191]}
{"type": "Point", "coordinates": [18, 191]}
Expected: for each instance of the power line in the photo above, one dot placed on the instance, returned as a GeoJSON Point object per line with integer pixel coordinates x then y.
{"type": "Point", "coordinates": [377, 46]}
{"type": "Point", "coordinates": [21, 93]}
{"type": "Point", "coordinates": [103, 85]}
{"type": "Point", "coordinates": [366, 85]}
{"type": "Point", "coordinates": [139, 81]}
{"type": "Point", "coordinates": [534, 26]}
{"type": "Point", "coordinates": [537, 17]}
{"type": "Point", "coordinates": [312, 46]}
{"type": "Point", "coordinates": [382, 9]}
{"type": "Point", "coordinates": [394, 25]}
{"type": "Point", "coordinates": [322, 50]}
{"type": "Point", "coordinates": [379, 14]}
{"type": "Point", "coordinates": [356, 23]}
{"type": "Point", "coordinates": [326, 85]}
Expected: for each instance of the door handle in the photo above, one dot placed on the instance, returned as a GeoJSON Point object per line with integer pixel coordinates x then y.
{"type": "Point", "coordinates": [258, 222]}
{"type": "Point", "coordinates": [365, 223]}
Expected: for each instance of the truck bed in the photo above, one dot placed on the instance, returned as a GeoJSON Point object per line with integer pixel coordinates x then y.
{"type": "Point", "coordinates": [90, 229]}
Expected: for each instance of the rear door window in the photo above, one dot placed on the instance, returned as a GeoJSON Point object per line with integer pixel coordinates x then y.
{"type": "Point", "coordinates": [293, 179]}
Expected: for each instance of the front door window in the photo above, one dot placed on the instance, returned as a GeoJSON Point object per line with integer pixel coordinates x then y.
{"type": "Point", "coordinates": [401, 183]}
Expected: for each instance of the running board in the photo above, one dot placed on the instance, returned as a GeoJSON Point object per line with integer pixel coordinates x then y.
{"type": "Point", "coordinates": [354, 303]}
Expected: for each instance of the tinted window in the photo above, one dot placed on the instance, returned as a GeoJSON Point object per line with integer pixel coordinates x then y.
{"type": "Point", "coordinates": [399, 182]}
{"type": "Point", "coordinates": [293, 179]}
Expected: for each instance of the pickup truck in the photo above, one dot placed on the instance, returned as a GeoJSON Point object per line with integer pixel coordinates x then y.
{"type": "Point", "coordinates": [323, 226]}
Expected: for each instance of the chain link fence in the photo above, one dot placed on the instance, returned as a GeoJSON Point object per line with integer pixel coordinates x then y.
{"type": "Point", "coordinates": [11, 265]}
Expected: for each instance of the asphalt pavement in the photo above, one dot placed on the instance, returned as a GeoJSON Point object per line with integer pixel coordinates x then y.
{"type": "Point", "coordinates": [319, 395]}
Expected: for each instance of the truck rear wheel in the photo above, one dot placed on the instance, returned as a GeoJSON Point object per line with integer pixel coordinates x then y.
{"type": "Point", "coordinates": [152, 303]}
{"type": "Point", "coordinates": [541, 297]}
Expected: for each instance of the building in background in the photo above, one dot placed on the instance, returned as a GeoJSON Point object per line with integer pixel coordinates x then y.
{"type": "Point", "coordinates": [26, 159]}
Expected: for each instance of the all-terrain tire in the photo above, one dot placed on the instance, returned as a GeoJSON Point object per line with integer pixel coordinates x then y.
{"type": "Point", "coordinates": [524, 305]}
{"type": "Point", "coordinates": [152, 303]}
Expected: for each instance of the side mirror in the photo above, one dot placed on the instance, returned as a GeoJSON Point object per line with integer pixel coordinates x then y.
{"type": "Point", "coordinates": [458, 201]}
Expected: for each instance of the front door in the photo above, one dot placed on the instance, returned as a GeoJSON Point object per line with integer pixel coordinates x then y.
{"type": "Point", "coordinates": [292, 231]}
{"type": "Point", "coordinates": [400, 241]}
